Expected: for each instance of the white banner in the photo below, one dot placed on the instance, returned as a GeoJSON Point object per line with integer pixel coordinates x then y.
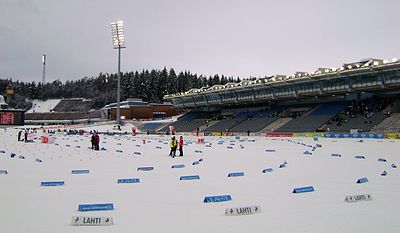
{"type": "Point", "coordinates": [91, 221]}
{"type": "Point", "coordinates": [242, 210]}
{"type": "Point", "coordinates": [361, 197]}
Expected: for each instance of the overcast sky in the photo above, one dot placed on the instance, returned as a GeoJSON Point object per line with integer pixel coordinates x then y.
{"type": "Point", "coordinates": [235, 38]}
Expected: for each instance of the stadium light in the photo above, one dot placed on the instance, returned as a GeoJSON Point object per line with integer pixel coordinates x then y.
{"type": "Point", "coordinates": [118, 39]}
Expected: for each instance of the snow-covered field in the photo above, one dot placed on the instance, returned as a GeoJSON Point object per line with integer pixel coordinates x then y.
{"type": "Point", "coordinates": [163, 203]}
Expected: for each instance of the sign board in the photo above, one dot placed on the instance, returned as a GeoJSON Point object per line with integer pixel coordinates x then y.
{"type": "Point", "coordinates": [362, 180]}
{"type": "Point", "coordinates": [194, 177]}
{"type": "Point", "coordinates": [52, 183]}
{"type": "Point", "coordinates": [128, 181]}
{"type": "Point", "coordinates": [91, 221]}
{"type": "Point", "coordinates": [267, 170]}
{"type": "Point", "coordinates": [217, 198]}
{"type": "Point", "coordinates": [235, 174]}
{"type": "Point", "coordinates": [355, 198]}
{"type": "Point", "coordinates": [242, 210]}
{"type": "Point", "coordinates": [96, 207]}
{"type": "Point", "coordinates": [145, 168]}
{"type": "Point", "coordinates": [79, 171]}
{"type": "Point", "coordinates": [304, 189]}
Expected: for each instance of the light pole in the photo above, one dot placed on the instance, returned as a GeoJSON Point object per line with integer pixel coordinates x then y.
{"type": "Point", "coordinates": [118, 39]}
{"type": "Point", "coordinates": [44, 69]}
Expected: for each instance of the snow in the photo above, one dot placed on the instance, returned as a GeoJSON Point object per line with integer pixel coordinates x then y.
{"type": "Point", "coordinates": [40, 106]}
{"type": "Point", "coordinates": [163, 203]}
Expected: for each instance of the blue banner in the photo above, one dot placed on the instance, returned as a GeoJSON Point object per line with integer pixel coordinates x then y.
{"type": "Point", "coordinates": [371, 135]}
{"type": "Point", "coordinates": [195, 177]}
{"type": "Point", "coordinates": [267, 170]}
{"type": "Point", "coordinates": [145, 168]}
{"type": "Point", "coordinates": [217, 198]}
{"type": "Point", "coordinates": [79, 171]}
{"type": "Point", "coordinates": [95, 207]}
{"type": "Point", "coordinates": [128, 181]}
{"type": "Point", "coordinates": [52, 183]}
{"type": "Point", "coordinates": [235, 174]}
{"type": "Point", "coordinates": [304, 189]}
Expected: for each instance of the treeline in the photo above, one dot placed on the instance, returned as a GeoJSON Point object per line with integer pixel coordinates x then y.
{"type": "Point", "coordinates": [150, 86]}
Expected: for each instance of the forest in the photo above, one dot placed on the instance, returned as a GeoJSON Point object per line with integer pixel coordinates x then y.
{"type": "Point", "coordinates": [147, 85]}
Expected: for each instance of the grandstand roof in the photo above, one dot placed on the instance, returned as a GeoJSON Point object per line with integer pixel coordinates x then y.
{"type": "Point", "coordinates": [365, 65]}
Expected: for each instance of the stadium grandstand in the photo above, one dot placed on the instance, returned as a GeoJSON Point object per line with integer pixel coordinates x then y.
{"type": "Point", "coordinates": [362, 96]}
{"type": "Point", "coordinates": [61, 111]}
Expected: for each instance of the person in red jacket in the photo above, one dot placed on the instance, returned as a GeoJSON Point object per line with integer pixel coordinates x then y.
{"type": "Point", "coordinates": [180, 144]}
{"type": "Point", "coordinates": [96, 141]}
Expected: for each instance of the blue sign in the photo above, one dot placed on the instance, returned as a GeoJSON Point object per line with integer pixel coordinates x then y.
{"type": "Point", "coordinates": [178, 166]}
{"type": "Point", "coordinates": [145, 168]}
{"type": "Point", "coordinates": [128, 181]}
{"type": "Point", "coordinates": [79, 171]}
{"type": "Point", "coordinates": [221, 198]}
{"type": "Point", "coordinates": [304, 189]}
{"type": "Point", "coordinates": [235, 174]}
{"type": "Point", "coordinates": [3, 172]}
{"type": "Point", "coordinates": [95, 207]}
{"type": "Point", "coordinates": [195, 177]}
{"type": "Point", "coordinates": [375, 136]}
{"type": "Point", "coordinates": [362, 180]}
{"type": "Point", "coordinates": [267, 170]}
{"type": "Point", "coordinates": [360, 157]}
{"type": "Point", "coordinates": [52, 183]}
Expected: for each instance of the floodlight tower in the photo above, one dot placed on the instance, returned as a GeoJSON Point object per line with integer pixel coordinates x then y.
{"type": "Point", "coordinates": [117, 32]}
{"type": "Point", "coordinates": [44, 69]}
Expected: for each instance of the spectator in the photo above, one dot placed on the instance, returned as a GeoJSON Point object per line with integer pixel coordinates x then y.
{"type": "Point", "coordinates": [180, 146]}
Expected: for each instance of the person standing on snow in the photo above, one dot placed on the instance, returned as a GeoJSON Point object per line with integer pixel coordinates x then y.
{"type": "Point", "coordinates": [180, 144]}
{"type": "Point", "coordinates": [92, 139]}
{"type": "Point", "coordinates": [96, 141]}
{"type": "Point", "coordinates": [173, 145]}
